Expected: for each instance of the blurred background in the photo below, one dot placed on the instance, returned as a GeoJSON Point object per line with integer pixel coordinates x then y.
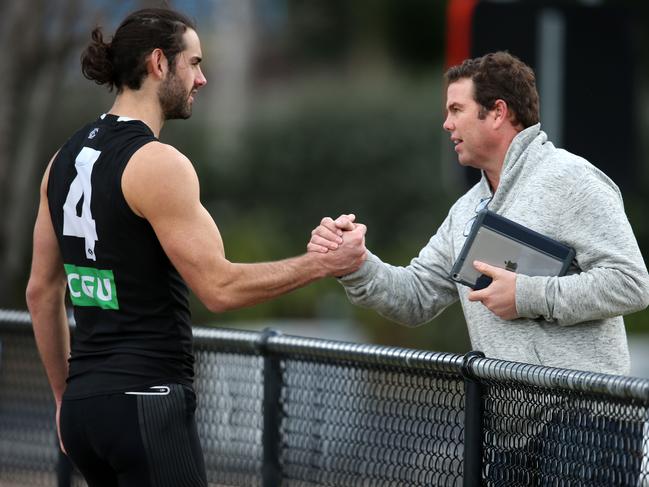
{"type": "Point", "coordinates": [319, 107]}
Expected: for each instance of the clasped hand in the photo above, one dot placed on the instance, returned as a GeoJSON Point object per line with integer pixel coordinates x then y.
{"type": "Point", "coordinates": [343, 242]}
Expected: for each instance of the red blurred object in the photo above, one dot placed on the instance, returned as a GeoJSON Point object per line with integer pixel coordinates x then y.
{"type": "Point", "coordinates": [459, 18]}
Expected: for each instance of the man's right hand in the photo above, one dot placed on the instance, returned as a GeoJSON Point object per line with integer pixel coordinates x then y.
{"type": "Point", "coordinates": [329, 234]}
{"type": "Point", "coordinates": [341, 243]}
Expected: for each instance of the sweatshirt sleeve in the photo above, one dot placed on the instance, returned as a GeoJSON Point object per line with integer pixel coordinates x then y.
{"type": "Point", "coordinates": [410, 295]}
{"type": "Point", "coordinates": [613, 278]}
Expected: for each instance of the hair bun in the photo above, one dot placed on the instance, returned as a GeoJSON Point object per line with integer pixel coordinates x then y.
{"type": "Point", "coordinates": [96, 60]}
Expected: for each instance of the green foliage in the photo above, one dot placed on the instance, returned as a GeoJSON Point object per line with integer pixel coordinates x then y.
{"type": "Point", "coordinates": [410, 32]}
{"type": "Point", "coordinates": [415, 32]}
{"type": "Point", "coordinates": [372, 154]}
{"type": "Point", "coordinates": [636, 208]}
{"type": "Point", "coordinates": [637, 323]}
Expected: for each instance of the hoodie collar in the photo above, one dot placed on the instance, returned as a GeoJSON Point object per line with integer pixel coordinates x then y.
{"type": "Point", "coordinates": [517, 152]}
{"type": "Point", "coordinates": [519, 145]}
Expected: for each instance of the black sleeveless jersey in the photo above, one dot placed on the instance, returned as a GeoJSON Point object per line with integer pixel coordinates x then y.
{"type": "Point", "coordinates": [130, 304]}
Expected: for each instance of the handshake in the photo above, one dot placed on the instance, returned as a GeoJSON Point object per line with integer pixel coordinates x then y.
{"type": "Point", "coordinates": [339, 244]}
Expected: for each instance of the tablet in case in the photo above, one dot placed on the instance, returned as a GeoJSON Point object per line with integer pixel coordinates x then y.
{"type": "Point", "coordinates": [500, 242]}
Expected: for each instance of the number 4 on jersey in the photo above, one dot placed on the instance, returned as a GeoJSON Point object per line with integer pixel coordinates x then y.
{"type": "Point", "coordinates": [81, 226]}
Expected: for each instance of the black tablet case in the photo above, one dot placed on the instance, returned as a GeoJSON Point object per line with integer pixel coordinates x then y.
{"type": "Point", "coordinates": [489, 224]}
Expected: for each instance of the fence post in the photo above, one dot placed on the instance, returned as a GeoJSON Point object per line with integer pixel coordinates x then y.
{"type": "Point", "coordinates": [473, 413]}
{"type": "Point", "coordinates": [271, 470]}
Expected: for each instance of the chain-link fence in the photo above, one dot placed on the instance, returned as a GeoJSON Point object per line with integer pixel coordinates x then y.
{"type": "Point", "coordinates": [290, 411]}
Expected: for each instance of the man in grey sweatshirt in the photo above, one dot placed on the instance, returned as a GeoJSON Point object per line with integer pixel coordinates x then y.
{"type": "Point", "coordinates": [574, 321]}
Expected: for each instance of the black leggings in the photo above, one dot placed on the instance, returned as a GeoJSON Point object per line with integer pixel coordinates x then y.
{"type": "Point", "coordinates": [144, 438]}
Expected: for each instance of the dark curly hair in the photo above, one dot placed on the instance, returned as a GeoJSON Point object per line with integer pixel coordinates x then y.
{"type": "Point", "coordinates": [120, 63]}
{"type": "Point", "coordinates": [501, 76]}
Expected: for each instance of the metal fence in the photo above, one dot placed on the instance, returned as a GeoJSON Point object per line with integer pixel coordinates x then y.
{"type": "Point", "coordinates": [281, 410]}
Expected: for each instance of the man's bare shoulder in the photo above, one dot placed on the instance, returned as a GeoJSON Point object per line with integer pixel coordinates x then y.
{"type": "Point", "coordinates": [157, 172]}
{"type": "Point", "coordinates": [156, 161]}
{"type": "Point", "coordinates": [159, 154]}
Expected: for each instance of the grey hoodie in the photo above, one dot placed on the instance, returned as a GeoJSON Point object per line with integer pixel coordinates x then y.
{"type": "Point", "coordinates": [573, 321]}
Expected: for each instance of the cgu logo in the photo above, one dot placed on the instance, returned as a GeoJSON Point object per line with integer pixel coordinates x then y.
{"type": "Point", "coordinates": [91, 287]}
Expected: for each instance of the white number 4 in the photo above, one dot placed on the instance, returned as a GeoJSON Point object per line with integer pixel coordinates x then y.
{"type": "Point", "coordinates": [81, 226]}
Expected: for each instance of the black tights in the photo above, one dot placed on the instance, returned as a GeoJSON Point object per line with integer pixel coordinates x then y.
{"type": "Point", "coordinates": [143, 438]}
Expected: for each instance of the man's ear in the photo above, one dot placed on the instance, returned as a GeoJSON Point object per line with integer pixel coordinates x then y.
{"type": "Point", "coordinates": [157, 64]}
{"type": "Point", "coordinates": [501, 112]}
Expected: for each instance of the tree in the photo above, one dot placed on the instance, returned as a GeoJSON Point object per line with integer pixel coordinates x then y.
{"type": "Point", "coordinates": [40, 35]}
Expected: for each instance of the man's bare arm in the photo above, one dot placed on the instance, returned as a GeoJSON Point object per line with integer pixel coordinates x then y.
{"type": "Point", "coordinates": [161, 185]}
{"type": "Point", "coordinates": [45, 299]}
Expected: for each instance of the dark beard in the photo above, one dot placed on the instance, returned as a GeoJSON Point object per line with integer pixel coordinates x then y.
{"type": "Point", "coordinates": [174, 100]}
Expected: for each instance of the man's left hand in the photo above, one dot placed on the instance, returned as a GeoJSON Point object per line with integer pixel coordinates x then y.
{"type": "Point", "coordinates": [500, 296]}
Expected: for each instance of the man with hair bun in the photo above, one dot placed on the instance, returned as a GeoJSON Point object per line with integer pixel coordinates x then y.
{"type": "Point", "coordinates": [574, 321]}
{"type": "Point", "coordinates": [120, 225]}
